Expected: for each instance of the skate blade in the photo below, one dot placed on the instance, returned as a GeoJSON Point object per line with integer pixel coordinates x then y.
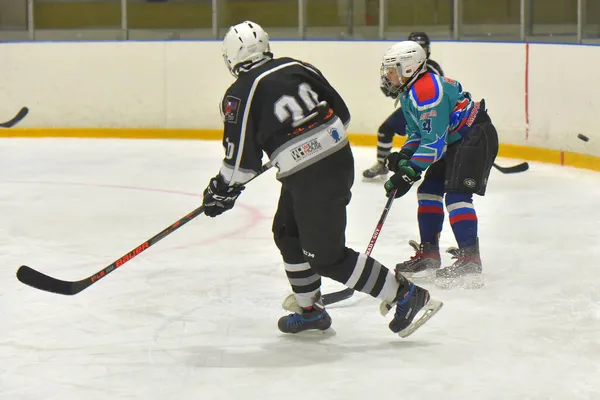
{"type": "Point", "coordinates": [313, 334]}
{"type": "Point", "coordinates": [471, 282]}
{"type": "Point", "coordinates": [428, 311]}
{"type": "Point", "coordinates": [375, 179]}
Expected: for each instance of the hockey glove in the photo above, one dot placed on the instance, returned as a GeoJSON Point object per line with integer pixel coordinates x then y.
{"type": "Point", "coordinates": [392, 161]}
{"type": "Point", "coordinates": [402, 180]}
{"type": "Point", "coordinates": [219, 197]}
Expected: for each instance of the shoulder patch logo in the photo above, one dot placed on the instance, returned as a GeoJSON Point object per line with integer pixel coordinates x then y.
{"type": "Point", "coordinates": [231, 109]}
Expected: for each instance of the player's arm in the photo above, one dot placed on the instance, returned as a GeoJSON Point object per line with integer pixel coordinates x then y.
{"type": "Point", "coordinates": [243, 157]}
{"type": "Point", "coordinates": [413, 133]}
{"type": "Point", "coordinates": [433, 124]}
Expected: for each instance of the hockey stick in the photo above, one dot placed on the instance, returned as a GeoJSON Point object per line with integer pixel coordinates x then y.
{"type": "Point", "coordinates": [38, 280]}
{"type": "Point", "coordinates": [16, 119]}
{"type": "Point", "coordinates": [514, 169]}
{"type": "Point", "coordinates": [344, 294]}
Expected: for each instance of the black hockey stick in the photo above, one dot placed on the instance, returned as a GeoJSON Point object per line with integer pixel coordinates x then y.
{"type": "Point", "coordinates": [344, 294]}
{"type": "Point", "coordinates": [38, 280]}
{"type": "Point", "coordinates": [16, 119]}
{"type": "Point", "coordinates": [514, 169]}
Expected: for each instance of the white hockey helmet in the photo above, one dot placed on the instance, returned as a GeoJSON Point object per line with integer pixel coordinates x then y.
{"type": "Point", "coordinates": [409, 60]}
{"type": "Point", "coordinates": [244, 45]}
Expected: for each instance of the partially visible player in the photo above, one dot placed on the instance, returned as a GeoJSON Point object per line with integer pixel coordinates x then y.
{"type": "Point", "coordinates": [451, 139]}
{"type": "Point", "coordinates": [395, 124]}
{"type": "Point", "coordinates": [287, 109]}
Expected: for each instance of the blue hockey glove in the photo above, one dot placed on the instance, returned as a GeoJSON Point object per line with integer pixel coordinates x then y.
{"type": "Point", "coordinates": [219, 197]}
{"type": "Point", "coordinates": [392, 161]}
{"type": "Point", "coordinates": [402, 180]}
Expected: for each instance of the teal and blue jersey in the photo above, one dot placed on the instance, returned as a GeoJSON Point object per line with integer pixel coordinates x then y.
{"type": "Point", "coordinates": [438, 113]}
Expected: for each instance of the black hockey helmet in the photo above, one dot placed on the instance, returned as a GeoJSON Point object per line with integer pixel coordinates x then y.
{"type": "Point", "coordinates": [422, 39]}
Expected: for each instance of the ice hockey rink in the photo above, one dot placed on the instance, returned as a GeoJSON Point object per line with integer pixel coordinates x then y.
{"type": "Point", "coordinates": [195, 316]}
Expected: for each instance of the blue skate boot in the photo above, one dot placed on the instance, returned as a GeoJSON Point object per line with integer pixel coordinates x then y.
{"type": "Point", "coordinates": [410, 301]}
{"type": "Point", "coordinates": [311, 318]}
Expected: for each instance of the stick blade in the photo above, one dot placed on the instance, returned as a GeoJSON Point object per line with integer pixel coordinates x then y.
{"type": "Point", "coordinates": [38, 280]}
{"type": "Point", "coordinates": [17, 118]}
{"type": "Point", "coordinates": [336, 297]}
{"type": "Point", "coordinates": [520, 167]}
{"type": "Point", "coordinates": [514, 169]}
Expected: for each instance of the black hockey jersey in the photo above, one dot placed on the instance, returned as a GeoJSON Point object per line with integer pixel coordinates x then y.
{"type": "Point", "coordinates": [434, 67]}
{"type": "Point", "coordinates": [285, 108]}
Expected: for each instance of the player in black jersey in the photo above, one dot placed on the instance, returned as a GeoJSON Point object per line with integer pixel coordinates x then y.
{"type": "Point", "coordinates": [287, 109]}
{"type": "Point", "coordinates": [395, 124]}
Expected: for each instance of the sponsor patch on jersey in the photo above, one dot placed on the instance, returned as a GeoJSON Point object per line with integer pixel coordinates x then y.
{"type": "Point", "coordinates": [428, 114]}
{"type": "Point", "coordinates": [305, 150]}
{"type": "Point", "coordinates": [450, 81]}
{"type": "Point", "coordinates": [335, 135]}
{"type": "Point", "coordinates": [231, 109]}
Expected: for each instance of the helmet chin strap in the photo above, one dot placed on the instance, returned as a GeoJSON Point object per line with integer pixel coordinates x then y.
{"type": "Point", "coordinates": [408, 82]}
{"type": "Point", "coordinates": [412, 78]}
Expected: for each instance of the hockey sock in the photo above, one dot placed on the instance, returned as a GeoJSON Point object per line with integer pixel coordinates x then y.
{"type": "Point", "coordinates": [430, 213]}
{"type": "Point", "coordinates": [305, 283]}
{"type": "Point", "coordinates": [383, 149]}
{"type": "Point", "coordinates": [462, 218]}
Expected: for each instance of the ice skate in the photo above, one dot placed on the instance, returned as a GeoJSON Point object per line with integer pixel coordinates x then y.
{"type": "Point", "coordinates": [414, 307]}
{"type": "Point", "coordinates": [423, 264]}
{"type": "Point", "coordinates": [376, 171]}
{"type": "Point", "coordinates": [466, 272]}
{"type": "Point", "coordinates": [302, 319]}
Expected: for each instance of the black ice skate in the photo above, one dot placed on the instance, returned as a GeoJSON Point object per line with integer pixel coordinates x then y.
{"type": "Point", "coordinates": [378, 169]}
{"type": "Point", "coordinates": [466, 272]}
{"type": "Point", "coordinates": [412, 300]}
{"type": "Point", "coordinates": [315, 319]}
{"type": "Point", "coordinates": [423, 264]}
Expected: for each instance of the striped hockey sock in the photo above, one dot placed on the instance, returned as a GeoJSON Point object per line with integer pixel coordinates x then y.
{"type": "Point", "coordinates": [430, 214]}
{"type": "Point", "coordinates": [462, 218]}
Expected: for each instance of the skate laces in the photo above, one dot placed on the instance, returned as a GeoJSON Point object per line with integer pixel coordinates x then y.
{"type": "Point", "coordinates": [295, 320]}
{"type": "Point", "coordinates": [461, 256]}
{"type": "Point", "coordinates": [418, 253]}
{"type": "Point", "coordinates": [400, 312]}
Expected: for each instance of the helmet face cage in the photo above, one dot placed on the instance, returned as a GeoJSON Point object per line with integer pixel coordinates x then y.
{"type": "Point", "coordinates": [408, 81]}
{"type": "Point", "coordinates": [385, 81]}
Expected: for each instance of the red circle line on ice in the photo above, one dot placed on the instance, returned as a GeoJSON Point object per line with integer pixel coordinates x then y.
{"type": "Point", "coordinates": [255, 214]}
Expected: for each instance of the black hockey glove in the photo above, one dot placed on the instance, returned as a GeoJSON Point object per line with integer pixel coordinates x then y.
{"type": "Point", "coordinates": [392, 161]}
{"type": "Point", "coordinates": [402, 180]}
{"type": "Point", "coordinates": [219, 197]}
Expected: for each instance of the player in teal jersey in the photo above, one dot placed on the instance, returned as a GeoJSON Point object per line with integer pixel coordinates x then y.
{"type": "Point", "coordinates": [451, 139]}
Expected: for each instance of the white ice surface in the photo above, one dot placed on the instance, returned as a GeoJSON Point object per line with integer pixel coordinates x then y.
{"type": "Point", "coordinates": [195, 316]}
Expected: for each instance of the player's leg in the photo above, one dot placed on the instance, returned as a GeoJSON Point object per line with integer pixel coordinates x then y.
{"type": "Point", "coordinates": [321, 194]}
{"type": "Point", "coordinates": [385, 137]}
{"type": "Point", "coordinates": [471, 161]}
{"type": "Point", "coordinates": [430, 216]}
{"type": "Point", "coordinates": [305, 302]}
